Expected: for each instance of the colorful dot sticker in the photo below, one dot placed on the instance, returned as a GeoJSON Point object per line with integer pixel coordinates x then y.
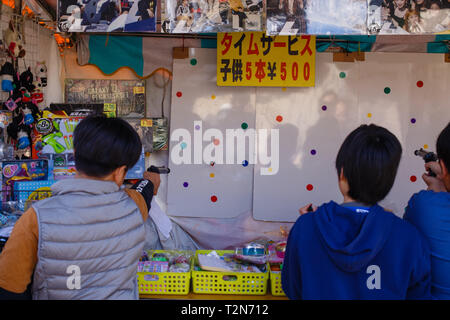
{"type": "Point", "coordinates": [309, 187]}
{"type": "Point", "coordinates": [179, 94]}
{"type": "Point", "coordinates": [245, 163]}
{"type": "Point", "coordinates": [185, 184]}
{"type": "Point", "coordinates": [183, 145]}
{"type": "Point", "coordinates": [214, 199]}
{"type": "Point", "coordinates": [212, 163]}
{"type": "Point", "coordinates": [244, 125]}
{"type": "Point", "coordinates": [413, 120]}
{"type": "Point", "coordinates": [270, 169]}
{"type": "Point", "coordinates": [216, 142]}
{"type": "Point", "coordinates": [324, 108]}
{"type": "Point", "coordinates": [211, 175]}
{"type": "Point", "coordinates": [369, 115]}
{"type": "Point", "coordinates": [313, 152]}
{"type": "Point", "coordinates": [387, 90]}
{"type": "Point", "coordinates": [413, 178]}
{"type": "Point", "coordinates": [425, 146]}
{"type": "Point", "coordinates": [193, 62]}
{"type": "Point", "coordinates": [419, 84]}
{"type": "Point", "coordinates": [213, 97]}
{"type": "Point", "coordinates": [279, 118]}
{"type": "Point", "coordinates": [342, 75]}
{"type": "Point", "coordinates": [197, 127]}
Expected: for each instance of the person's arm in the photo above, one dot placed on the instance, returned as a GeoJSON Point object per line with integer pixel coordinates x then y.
{"type": "Point", "coordinates": [19, 257]}
{"type": "Point", "coordinates": [142, 192]}
{"type": "Point", "coordinates": [291, 280]}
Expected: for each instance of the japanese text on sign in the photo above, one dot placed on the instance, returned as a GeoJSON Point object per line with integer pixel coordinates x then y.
{"type": "Point", "coordinates": [256, 59]}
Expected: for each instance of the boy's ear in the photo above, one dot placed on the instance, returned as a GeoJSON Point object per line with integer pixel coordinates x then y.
{"type": "Point", "coordinates": [119, 175]}
{"type": "Point", "coordinates": [444, 169]}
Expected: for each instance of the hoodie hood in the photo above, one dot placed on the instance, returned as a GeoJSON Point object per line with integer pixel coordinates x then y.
{"type": "Point", "coordinates": [352, 239]}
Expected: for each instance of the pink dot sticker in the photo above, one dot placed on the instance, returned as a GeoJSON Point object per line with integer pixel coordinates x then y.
{"type": "Point", "coordinates": [309, 187]}
{"type": "Point", "coordinates": [216, 142]}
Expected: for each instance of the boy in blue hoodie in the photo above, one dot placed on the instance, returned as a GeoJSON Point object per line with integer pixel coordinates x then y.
{"type": "Point", "coordinates": [429, 211]}
{"type": "Point", "coordinates": [356, 249]}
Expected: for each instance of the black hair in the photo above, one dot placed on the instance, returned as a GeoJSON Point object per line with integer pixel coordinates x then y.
{"type": "Point", "coordinates": [369, 158]}
{"type": "Point", "coordinates": [103, 144]}
{"type": "Point", "coordinates": [443, 146]}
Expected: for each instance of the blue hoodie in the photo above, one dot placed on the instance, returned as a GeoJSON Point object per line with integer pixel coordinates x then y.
{"type": "Point", "coordinates": [429, 212]}
{"type": "Point", "coordinates": [338, 253]}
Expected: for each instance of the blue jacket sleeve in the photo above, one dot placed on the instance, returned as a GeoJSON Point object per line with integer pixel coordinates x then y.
{"type": "Point", "coordinates": [291, 275]}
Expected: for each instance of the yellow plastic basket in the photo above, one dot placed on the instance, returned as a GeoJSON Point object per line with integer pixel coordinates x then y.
{"type": "Point", "coordinates": [164, 282]}
{"type": "Point", "coordinates": [275, 283]}
{"type": "Point", "coordinates": [242, 283]}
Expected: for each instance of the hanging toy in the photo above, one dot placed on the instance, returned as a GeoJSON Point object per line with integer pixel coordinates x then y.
{"type": "Point", "coordinates": [26, 81]}
{"type": "Point", "coordinates": [41, 73]}
{"type": "Point", "coordinates": [13, 41]}
{"type": "Point", "coordinates": [7, 74]}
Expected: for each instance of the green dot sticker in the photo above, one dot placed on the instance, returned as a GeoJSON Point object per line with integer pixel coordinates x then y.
{"type": "Point", "coordinates": [387, 90]}
{"type": "Point", "coordinates": [342, 75]}
{"type": "Point", "coordinates": [244, 125]}
{"type": "Point", "coordinates": [193, 62]}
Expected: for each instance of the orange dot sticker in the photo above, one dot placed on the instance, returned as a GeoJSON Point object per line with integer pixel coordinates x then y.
{"type": "Point", "coordinates": [425, 146]}
{"type": "Point", "coordinates": [369, 115]}
{"type": "Point", "coordinates": [211, 175]}
{"type": "Point", "coordinates": [213, 97]}
{"type": "Point", "coordinates": [216, 142]}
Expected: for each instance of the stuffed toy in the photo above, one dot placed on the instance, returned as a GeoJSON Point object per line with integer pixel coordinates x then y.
{"type": "Point", "coordinates": [13, 42]}
{"type": "Point", "coordinates": [40, 72]}
{"type": "Point", "coordinates": [7, 76]}
{"type": "Point", "coordinates": [26, 80]}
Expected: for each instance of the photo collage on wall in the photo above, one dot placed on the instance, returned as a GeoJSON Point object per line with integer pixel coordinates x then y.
{"type": "Point", "coordinates": [107, 15]}
{"type": "Point", "coordinates": [284, 17]}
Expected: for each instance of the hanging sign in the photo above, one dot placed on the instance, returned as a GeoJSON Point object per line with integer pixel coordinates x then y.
{"type": "Point", "coordinates": [256, 59]}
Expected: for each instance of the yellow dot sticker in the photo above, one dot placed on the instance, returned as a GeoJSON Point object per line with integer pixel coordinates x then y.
{"type": "Point", "coordinates": [270, 169]}
{"type": "Point", "coordinates": [369, 115]}
{"type": "Point", "coordinates": [425, 146]}
{"type": "Point", "coordinates": [212, 175]}
{"type": "Point", "coordinates": [213, 97]}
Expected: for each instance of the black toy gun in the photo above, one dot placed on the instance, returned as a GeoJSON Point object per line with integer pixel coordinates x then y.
{"type": "Point", "coordinates": [427, 156]}
{"type": "Point", "coordinates": [160, 170]}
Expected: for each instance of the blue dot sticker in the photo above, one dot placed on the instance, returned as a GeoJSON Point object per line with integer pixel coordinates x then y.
{"type": "Point", "coordinates": [183, 145]}
{"type": "Point", "coordinates": [245, 163]}
{"type": "Point", "coordinates": [185, 184]}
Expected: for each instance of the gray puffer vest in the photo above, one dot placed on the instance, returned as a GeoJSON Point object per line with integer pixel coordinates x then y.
{"type": "Point", "coordinates": [91, 235]}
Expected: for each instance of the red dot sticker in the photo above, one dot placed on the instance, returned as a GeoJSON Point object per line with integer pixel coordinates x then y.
{"type": "Point", "coordinates": [179, 94]}
{"type": "Point", "coordinates": [420, 84]}
{"type": "Point", "coordinates": [309, 187]}
{"type": "Point", "coordinates": [279, 118]}
{"type": "Point", "coordinates": [214, 199]}
{"type": "Point", "coordinates": [216, 142]}
{"type": "Point", "coordinates": [413, 178]}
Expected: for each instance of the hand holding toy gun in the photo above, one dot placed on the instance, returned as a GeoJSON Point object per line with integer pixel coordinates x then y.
{"type": "Point", "coordinates": [427, 156]}
{"type": "Point", "coordinates": [160, 170]}
{"type": "Point", "coordinates": [153, 173]}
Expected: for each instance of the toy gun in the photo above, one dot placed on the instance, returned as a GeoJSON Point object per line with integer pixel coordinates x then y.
{"type": "Point", "coordinates": [50, 139]}
{"type": "Point", "coordinates": [160, 170]}
{"type": "Point", "coordinates": [427, 156]}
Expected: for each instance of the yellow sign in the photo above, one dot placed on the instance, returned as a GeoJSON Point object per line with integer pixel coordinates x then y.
{"type": "Point", "coordinates": [146, 122]}
{"type": "Point", "coordinates": [109, 109]}
{"type": "Point", "coordinates": [256, 59]}
{"type": "Point", "coordinates": [138, 90]}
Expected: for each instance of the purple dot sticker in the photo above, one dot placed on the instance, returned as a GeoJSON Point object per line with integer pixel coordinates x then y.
{"type": "Point", "coordinates": [324, 108]}
{"type": "Point", "coordinates": [197, 127]}
{"type": "Point", "coordinates": [185, 184]}
{"type": "Point", "coordinates": [413, 120]}
{"type": "Point", "coordinates": [313, 152]}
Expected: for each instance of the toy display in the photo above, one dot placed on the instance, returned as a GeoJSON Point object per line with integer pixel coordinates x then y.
{"type": "Point", "coordinates": [54, 135]}
{"type": "Point", "coordinates": [184, 16]}
{"type": "Point", "coordinates": [167, 261]}
{"type": "Point", "coordinates": [21, 170]}
{"type": "Point", "coordinates": [107, 15]}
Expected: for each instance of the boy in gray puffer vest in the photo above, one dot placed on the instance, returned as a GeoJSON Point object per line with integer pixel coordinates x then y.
{"type": "Point", "coordinates": [85, 241]}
